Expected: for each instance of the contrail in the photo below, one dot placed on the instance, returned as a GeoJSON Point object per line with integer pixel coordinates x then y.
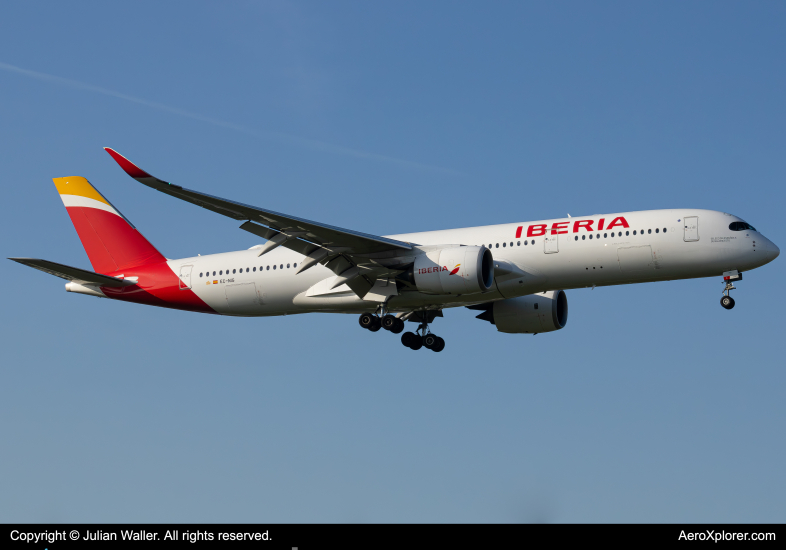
{"type": "Point", "coordinates": [274, 136]}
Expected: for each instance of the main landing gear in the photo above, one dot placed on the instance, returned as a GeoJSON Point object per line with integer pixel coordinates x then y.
{"type": "Point", "coordinates": [729, 277]}
{"type": "Point", "coordinates": [388, 322]}
{"type": "Point", "coordinates": [421, 338]}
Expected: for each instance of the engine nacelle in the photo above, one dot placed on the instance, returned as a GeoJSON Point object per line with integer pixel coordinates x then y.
{"type": "Point", "coordinates": [543, 312]}
{"type": "Point", "coordinates": [455, 270]}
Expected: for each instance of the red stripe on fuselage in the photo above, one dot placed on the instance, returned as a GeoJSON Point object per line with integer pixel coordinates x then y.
{"type": "Point", "coordinates": [158, 286]}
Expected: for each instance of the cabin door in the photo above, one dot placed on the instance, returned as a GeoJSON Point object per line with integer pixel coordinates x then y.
{"type": "Point", "coordinates": [185, 276]}
{"type": "Point", "coordinates": [550, 244]}
{"type": "Point", "coordinates": [691, 224]}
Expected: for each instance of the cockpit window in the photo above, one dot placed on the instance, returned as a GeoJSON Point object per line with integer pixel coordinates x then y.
{"type": "Point", "coordinates": [741, 226]}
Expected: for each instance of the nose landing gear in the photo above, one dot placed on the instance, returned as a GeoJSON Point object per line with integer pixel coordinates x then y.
{"type": "Point", "coordinates": [727, 302]}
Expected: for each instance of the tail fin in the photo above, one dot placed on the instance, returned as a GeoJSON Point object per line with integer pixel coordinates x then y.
{"type": "Point", "coordinates": [111, 241]}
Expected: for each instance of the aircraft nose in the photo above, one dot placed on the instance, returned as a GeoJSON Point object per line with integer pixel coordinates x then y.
{"type": "Point", "coordinates": [773, 250]}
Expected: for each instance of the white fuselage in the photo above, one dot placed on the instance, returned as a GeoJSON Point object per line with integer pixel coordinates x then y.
{"type": "Point", "coordinates": [653, 245]}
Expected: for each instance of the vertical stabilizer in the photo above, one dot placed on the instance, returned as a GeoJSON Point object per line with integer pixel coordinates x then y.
{"type": "Point", "coordinates": [112, 243]}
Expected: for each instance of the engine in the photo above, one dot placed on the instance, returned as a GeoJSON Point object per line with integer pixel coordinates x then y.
{"type": "Point", "coordinates": [454, 270]}
{"type": "Point", "coordinates": [542, 312]}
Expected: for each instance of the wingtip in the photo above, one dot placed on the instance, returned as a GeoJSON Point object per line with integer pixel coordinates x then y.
{"type": "Point", "coordinates": [129, 167]}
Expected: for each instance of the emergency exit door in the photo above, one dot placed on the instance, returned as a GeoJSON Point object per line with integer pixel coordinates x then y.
{"type": "Point", "coordinates": [691, 225]}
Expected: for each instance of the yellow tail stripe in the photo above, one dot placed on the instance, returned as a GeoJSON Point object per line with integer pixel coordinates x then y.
{"type": "Point", "coordinates": [76, 185]}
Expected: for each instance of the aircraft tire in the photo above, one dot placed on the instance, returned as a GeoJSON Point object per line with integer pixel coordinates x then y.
{"type": "Point", "coordinates": [439, 346]}
{"type": "Point", "coordinates": [407, 339]}
{"type": "Point", "coordinates": [398, 327]}
{"type": "Point", "coordinates": [727, 302]}
{"type": "Point", "coordinates": [366, 320]}
{"type": "Point", "coordinates": [389, 322]}
{"type": "Point", "coordinates": [429, 341]}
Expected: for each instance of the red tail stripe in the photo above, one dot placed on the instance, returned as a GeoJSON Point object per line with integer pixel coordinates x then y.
{"type": "Point", "coordinates": [110, 242]}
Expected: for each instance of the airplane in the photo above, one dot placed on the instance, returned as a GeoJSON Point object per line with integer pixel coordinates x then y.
{"type": "Point", "coordinates": [515, 274]}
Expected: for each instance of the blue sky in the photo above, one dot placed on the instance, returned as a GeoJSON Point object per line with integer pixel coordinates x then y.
{"type": "Point", "coordinates": [653, 404]}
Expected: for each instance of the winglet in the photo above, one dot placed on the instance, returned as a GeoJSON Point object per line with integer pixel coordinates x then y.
{"type": "Point", "coordinates": [130, 168]}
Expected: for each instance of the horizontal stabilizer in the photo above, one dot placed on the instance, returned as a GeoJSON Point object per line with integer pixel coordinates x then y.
{"type": "Point", "coordinates": [74, 274]}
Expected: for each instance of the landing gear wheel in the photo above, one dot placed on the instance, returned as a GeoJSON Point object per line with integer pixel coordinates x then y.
{"type": "Point", "coordinates": [429, 341]}
{"type": "Point", "coordinates": [408, 339]}
{"type": "Point", "coordinates": [366, 320]}
{"type": "Point", "coordinates": [376, 324]}
{"type": "Point", "coordinates": [398, 327]}
{"type": "Point", "coordinates": [727, 302]}
{"type": "Point", "coordinates": [417, 343]}
{"type": "Point", "coordinates": [389, 322]}
{"type": "Point", "coordinates": [439, 346]}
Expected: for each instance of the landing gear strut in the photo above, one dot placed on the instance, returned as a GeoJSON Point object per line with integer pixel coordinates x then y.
{"type": "Point", "coordinates": [728, 278]}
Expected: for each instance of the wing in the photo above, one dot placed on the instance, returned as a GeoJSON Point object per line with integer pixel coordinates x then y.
{"type": "Point", "coordinates": [356, 258]}
{"type": "Point", "coordinates": [80, 276]}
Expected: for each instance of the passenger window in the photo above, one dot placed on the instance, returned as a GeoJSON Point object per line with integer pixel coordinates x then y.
{"type": "Point", "coordinates": [590, 236]}
{"type": "Point", "coordinates": [504, 245]}
{"type": "Point", "coordinates": [657, 230]}
{"type": "Point", "coordinates": [576, 238]}
{"type": "Point", "coordinates": [649, 231]}
{"type": "Point", "coordinates": [234, 271]}
{"type": "Point", "coordinates": [274, 267]}
{"type": "Point", "coordinates": [664, 229]}
{"type": "Point", "coordinates": [255, 269]}
{"type": "Point", "coordinates": [287, 266]}
{"type": "Point", "coordinates": [294, 265]}
{"type": "Point", "coordinates": [497, 245]}
{"type": "Point", "coordinates": [220, 272]}
{"type": "Point", "coordinates": [518, 243]}
{"type": "Point", "coordinates": [511, 244]}
{"type": "Point", "coordinates": [533, 241]}
{"type": "Point", "coordinates": [282, 266]}
{"type": "Point", "coordinates": [605, 235]}
{"type": "Point", "coordinates": [200, 275]}
{"type": "Point", "coordinates": [634, 232]}
{"type": "Point", "coordinates": [525, 243]}
{"type": "Point", "coordinates": [214, 274]}
{"type": "Point", "coordinates": [583, 237]}
{"type": "Point", "coordinates": [268, 268]}
{"type": "Point", "coordinates": [627, 233]}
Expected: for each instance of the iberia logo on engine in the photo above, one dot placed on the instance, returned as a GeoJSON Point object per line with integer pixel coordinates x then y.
{"type": "Point", "coordinates": [437, 269]}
